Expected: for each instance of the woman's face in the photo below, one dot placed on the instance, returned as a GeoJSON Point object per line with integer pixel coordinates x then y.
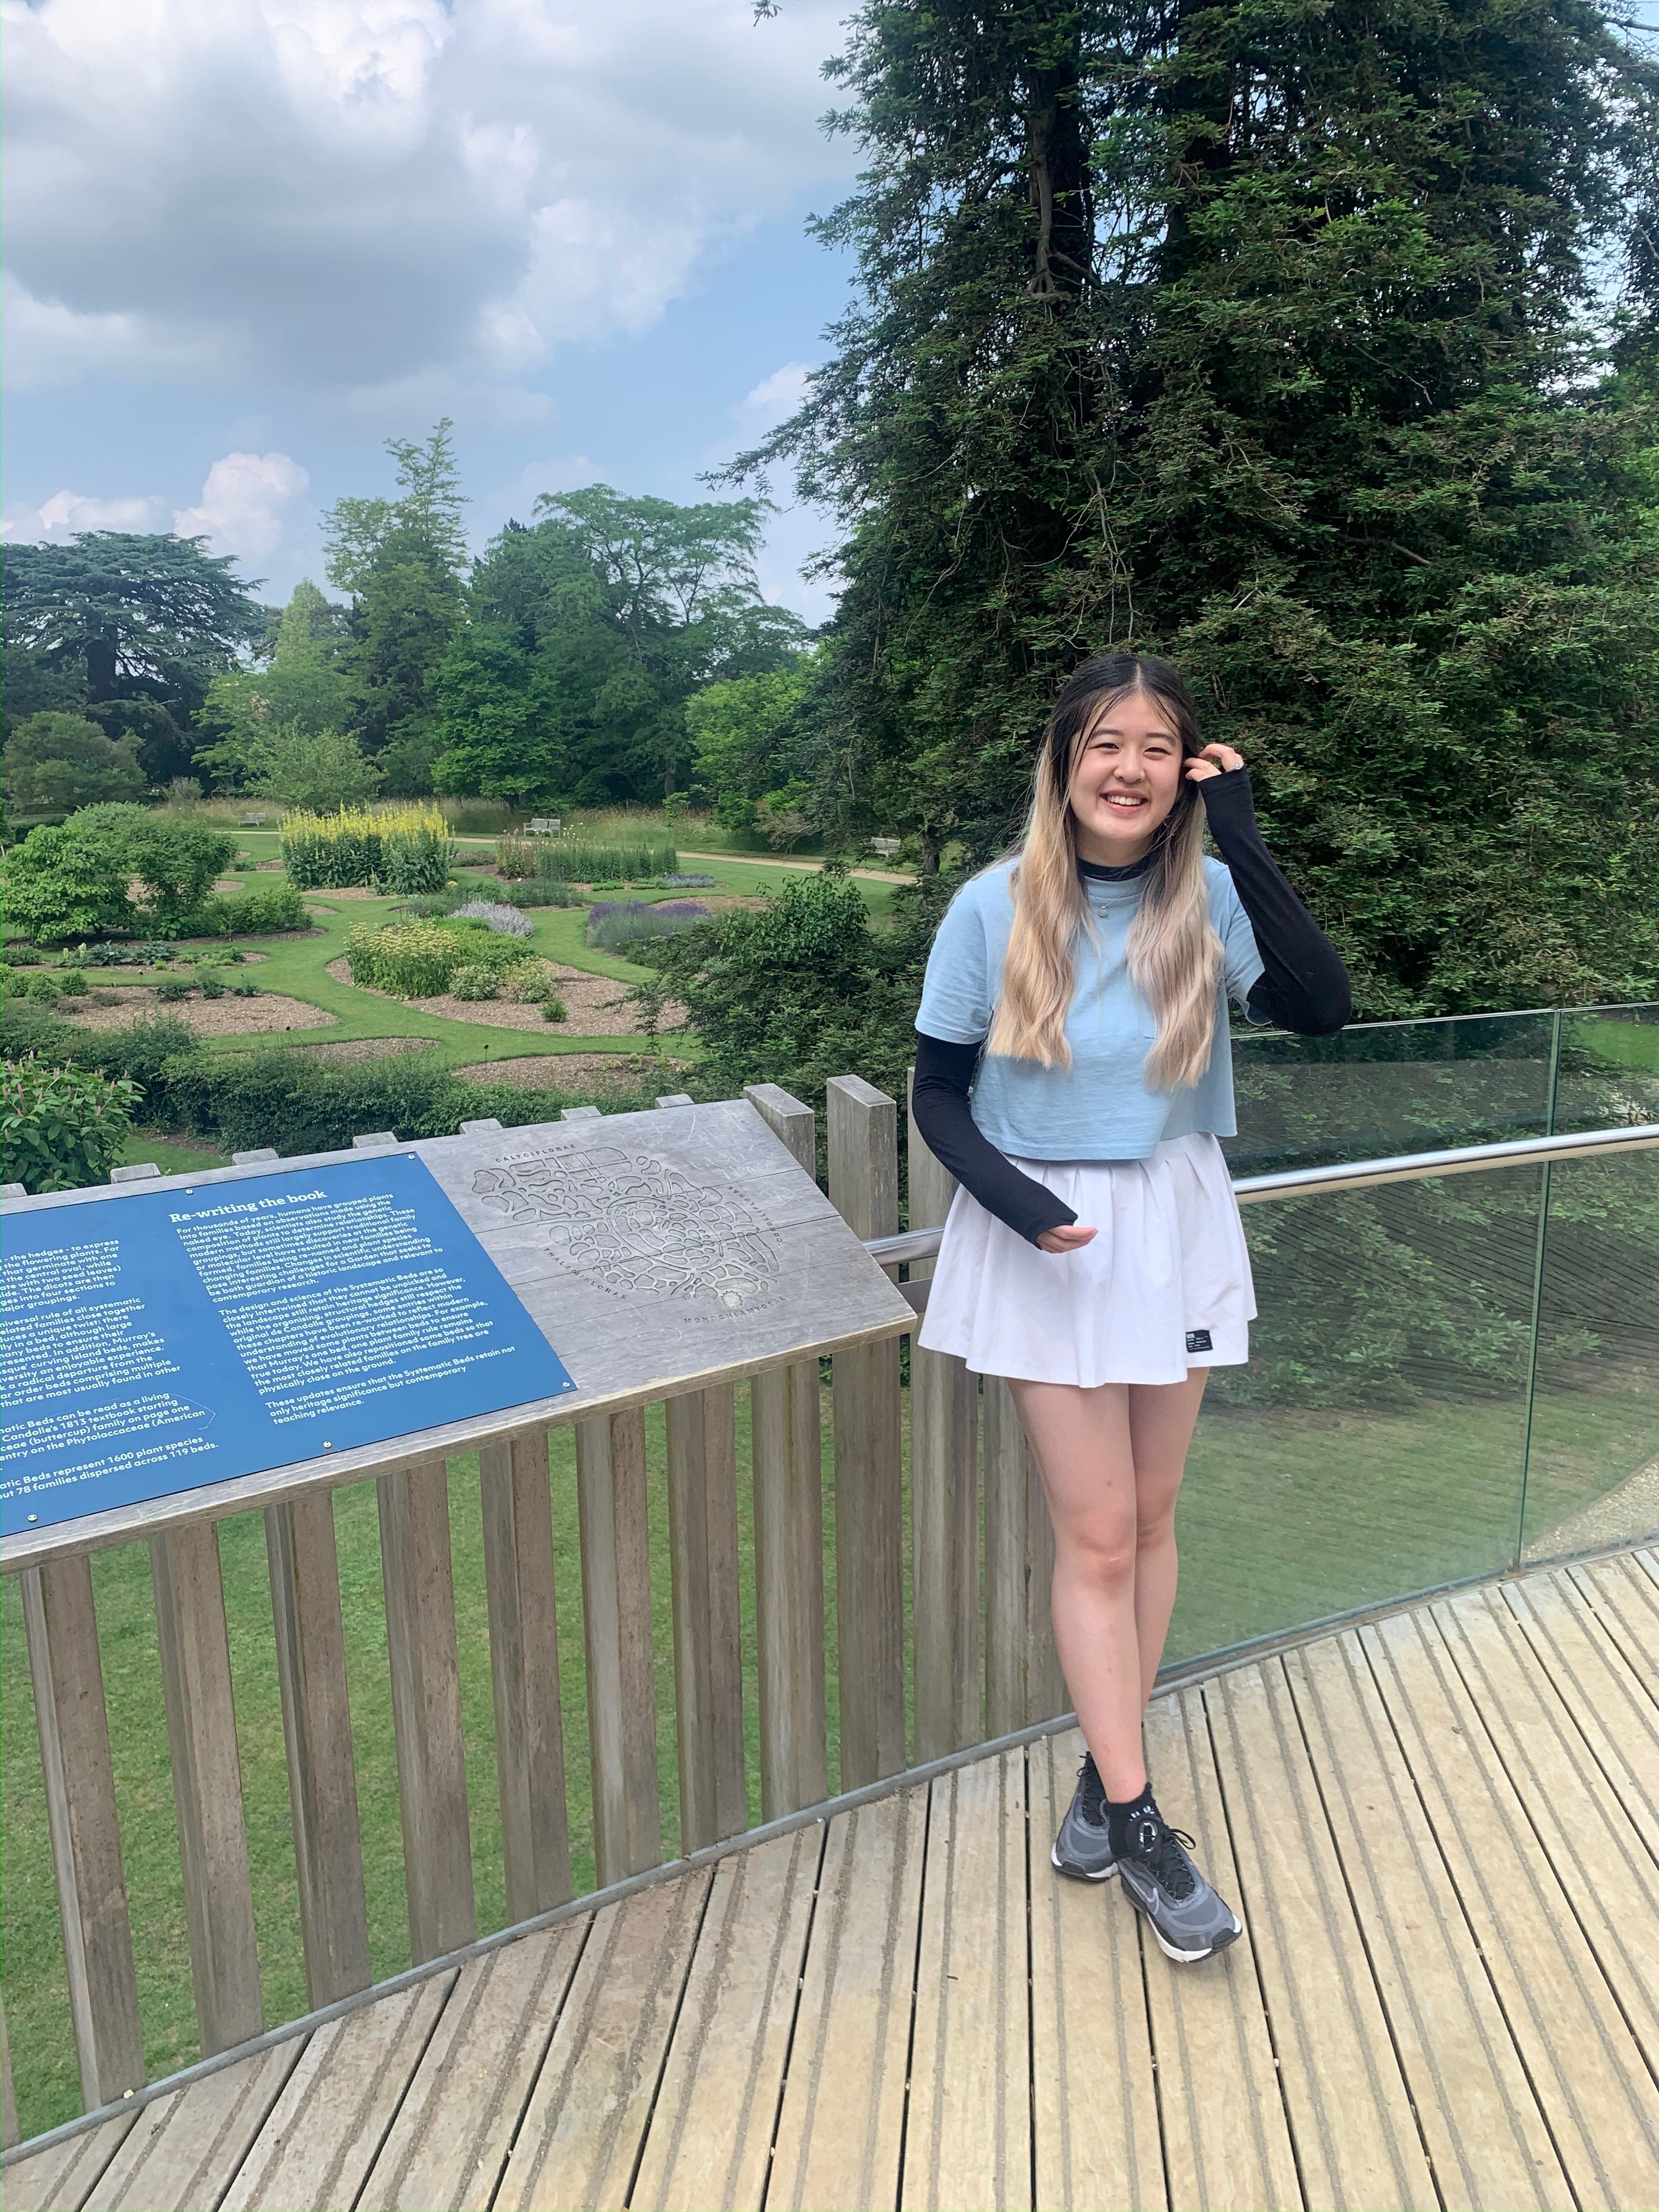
{"type": "Point", "coordinates": [1127, 779]}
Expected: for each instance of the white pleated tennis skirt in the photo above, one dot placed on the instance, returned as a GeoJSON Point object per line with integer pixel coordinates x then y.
{"type": "Point", "coordinates": [1164, 1286]}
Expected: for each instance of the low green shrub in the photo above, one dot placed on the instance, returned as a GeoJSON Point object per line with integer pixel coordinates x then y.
{"type": "Point", "coordinates": [474, 982]}
{"type": "Point", "coordinates": [140, 1050]}
{"type": "Point", "coordinates": [418, 959]}
{"type": "Point", "coordinates": [61, 1129]}
{"type": "Point", "coordinates": [555, 1010]}
{"type": "Point", "coordinates": [26, 1026]}
{"type": "Point", "coordinates": [44, 989]}
{"type": "Point", "coordinates": [20, 954]}
{"type": "Point", "coordinates": [71, 984]}
{"type": "Point", "coordinates": [245, 990]}
{"type": "Point", "coordinates": [212, 988]}
{"type": "Point", "coordinates": [173, 990]}
{"type": "Point", "coordinates": [265, 911]}
{"type": "Point", "coordinates": [113, 868]}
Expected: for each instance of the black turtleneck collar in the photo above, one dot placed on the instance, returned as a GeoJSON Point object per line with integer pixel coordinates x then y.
{"type": "Point", "coordinates": [1093, 872]}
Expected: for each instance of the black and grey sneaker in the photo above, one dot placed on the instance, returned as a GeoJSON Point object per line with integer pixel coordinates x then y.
{"type": "Point", "coordinates": [1083, 1849]}
{"type": "Point", "coordinates": [1188, 1919]}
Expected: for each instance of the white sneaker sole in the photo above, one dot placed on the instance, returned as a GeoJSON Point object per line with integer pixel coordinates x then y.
{"type": "Point", "coordinates": [1188, 1958]}
{"type": "Point", "coordinates": [1078, 1874]}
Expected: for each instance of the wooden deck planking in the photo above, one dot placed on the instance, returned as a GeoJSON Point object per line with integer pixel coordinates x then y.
{"type": "Point", "coordinates": [1586, 2067]}
{"type": "Point", "coordinates": [1442, 1832]}
{"type": "Point", "coordinates": [455, 2127]}
{"type": "Point", "coordinates": [1483, 2133]}
{"type": "Point", "coordinates": [1605, 1872]}
{"type": "Point", "coordinates": [326, 2128]}
{"type": "Point", "coordinates": [710, 2137]}
{"type": "Point", "coordinates": [1227, 2139]}
{"type": "Point", "coordinates": [61, 2177]}
{"type": "Point", "coordinates": [1095, 2115]}
{"type": "Point", "coordinates": [1350, 2112]}
{"type": "Point", "coordinates": [588, 2112]}
{"type": "Point", "coordinates": [185, 2149]}
{"type": "Point", "coordinates": [841, 2119]}
{"type": "Point", "coordinates": [967, 2144]}
{"type": "Point", "coordinates": [1625, 1607]}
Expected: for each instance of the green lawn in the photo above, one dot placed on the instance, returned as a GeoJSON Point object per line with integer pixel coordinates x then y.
{"type": "Point", "coordinates": [297, 967]}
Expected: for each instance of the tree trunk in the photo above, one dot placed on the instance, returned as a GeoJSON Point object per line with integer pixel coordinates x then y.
{"type": "Point", "coordinates": [101, 666]}
{"type": "Point", "coordinates": [1200, 114]}
{"type": "Point", "coordinates": [1063, 250]}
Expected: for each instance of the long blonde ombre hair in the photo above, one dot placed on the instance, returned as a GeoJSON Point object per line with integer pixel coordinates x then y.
{"type": "Point", "coordinates": [1174, 955]}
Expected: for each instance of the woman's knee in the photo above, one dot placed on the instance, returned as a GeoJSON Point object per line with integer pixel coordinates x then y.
{"type": "Point", "coordinates": [1155, 1521]}
{"type": "Point", "coordinates": [1099, 1551]}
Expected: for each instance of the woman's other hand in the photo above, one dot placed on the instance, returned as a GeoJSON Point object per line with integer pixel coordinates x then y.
{"type": "Point", "coordinates": [1214, 760]}
{"type": "Point", "coordinates": [1072, 1238]}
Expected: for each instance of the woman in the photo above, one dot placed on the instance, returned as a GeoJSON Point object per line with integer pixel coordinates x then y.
{"type": "Point", "coordinates": [1094, 1254]}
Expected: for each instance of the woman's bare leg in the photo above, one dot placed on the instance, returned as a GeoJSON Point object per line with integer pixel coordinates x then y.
{"type": "Point", "coordinates": [1162, 1419]}
{"type": "Point", "coordinates": [1111, 1461]}
{"type": "Point", "coordinates": [1081, 1440]}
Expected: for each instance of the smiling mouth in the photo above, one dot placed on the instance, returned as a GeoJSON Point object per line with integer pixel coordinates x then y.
{"type": "Point", "coordinates": [1124, 802]}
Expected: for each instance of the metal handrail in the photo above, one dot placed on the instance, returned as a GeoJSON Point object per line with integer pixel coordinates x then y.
{"type": "Point", "coordinates": [1360, 1174]}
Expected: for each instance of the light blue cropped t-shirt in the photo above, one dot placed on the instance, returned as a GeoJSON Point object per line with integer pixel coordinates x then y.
{"type": "Point", "coordinates": [1100, 1108]}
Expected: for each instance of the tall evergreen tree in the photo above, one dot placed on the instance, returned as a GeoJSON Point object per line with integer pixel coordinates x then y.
{"type": "Point", "coordinates": [1269, 337]}
{"type": "Point", "coordinates": [403, 561]}
{"type": "Point", "coordinates": [128, 627]}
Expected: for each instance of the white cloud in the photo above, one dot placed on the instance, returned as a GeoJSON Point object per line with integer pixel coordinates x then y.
{"type": "Point", "coordinates": [773, 400]}
{"type": "Point", "coordinates": [239, 501]}
{"type": "Point", "coordinates": [57, 519]}
{"type": "Point", "coordinates": [344, 193]}
{"type": "Point", "coordinates": [238, 513]}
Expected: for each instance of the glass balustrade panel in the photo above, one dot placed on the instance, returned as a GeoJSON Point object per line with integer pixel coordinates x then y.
{"type": "Point", "coordinates": [1593, 1459]}
{"type": "Point", "coordinates": [1373, 1447]}
{"type": "Point", "coordinates": [1377, 1091]}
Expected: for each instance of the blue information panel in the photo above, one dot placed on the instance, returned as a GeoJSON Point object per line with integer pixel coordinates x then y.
{"type": "Point", "coordinates": [160, 1340]}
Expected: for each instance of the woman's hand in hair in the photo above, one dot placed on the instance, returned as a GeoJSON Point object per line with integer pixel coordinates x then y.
{"type": "Point", "coordinates": [1214, 760]}
{"type": "Point", "coordinates": [1070, 1238]}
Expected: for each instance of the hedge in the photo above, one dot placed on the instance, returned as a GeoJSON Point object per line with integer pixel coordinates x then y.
{"type": "Point", "coordinates": [577, 860]}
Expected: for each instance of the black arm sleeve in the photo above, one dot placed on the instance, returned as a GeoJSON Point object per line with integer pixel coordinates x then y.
{"type": "Point", "coordinates": [1304, 986]}
{"type": "Point", "coordinates": [938, 1100]}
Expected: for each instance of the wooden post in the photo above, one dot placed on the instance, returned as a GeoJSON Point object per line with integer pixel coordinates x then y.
{"type": "Point", "coordinates": [788, 1450]}
{"type": "Point", "coordinates": [787, 1453]}
{"type": "Point", "coordinates": [322, 1779]}
{"type": "Point", "coordinates": [524, 1665]}
{"type": "Point", "coordinates": [426, 1706]}
{"type": "Point", "coordinates": [789, 1120]}
{"type": "Point", "coordinates": [1023, 1680]}
{"type": "Point", "coordinates": [85, 1841]}
{"type": "Point", "coordinates": [702, 1535]}
{"type": "Point", "coordinates": [944, 1508]}
{"type": "Point", "coordinates": [622, 1696]}
{"type": "Point", "coordinates": [207, 1784]}
{"type": "Point", "coordinates": [863, 1134]}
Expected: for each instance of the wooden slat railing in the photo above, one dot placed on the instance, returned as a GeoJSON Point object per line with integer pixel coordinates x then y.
{"type": "Point", "coordinates": [955, 1692]}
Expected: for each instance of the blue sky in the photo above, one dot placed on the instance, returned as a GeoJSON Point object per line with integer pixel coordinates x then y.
{"type": "Point", "coordinates": [247, 240]}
